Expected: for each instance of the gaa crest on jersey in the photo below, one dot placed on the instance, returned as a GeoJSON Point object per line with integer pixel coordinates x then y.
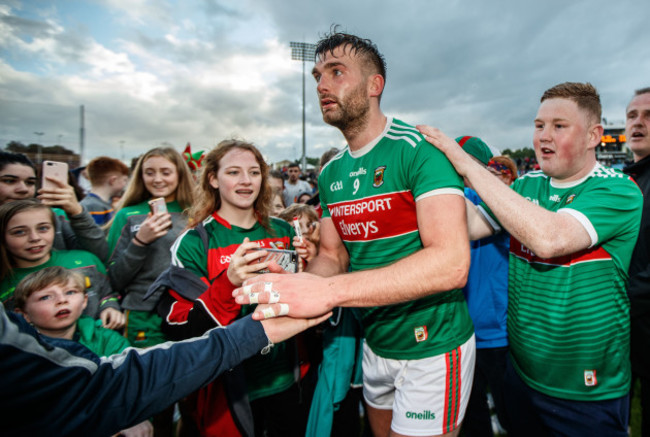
{"type": "Point", "coordinates": [421, 333]}
{"type": "Point", "coordinates": [590, 378]}
{"type": "Point", "coordinates": [570, 199]}
{"type": "Point", "coordinates": [378, 180]}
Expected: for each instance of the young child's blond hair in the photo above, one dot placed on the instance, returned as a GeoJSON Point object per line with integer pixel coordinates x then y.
{"type": "Point", "coordinates": [45, 278]}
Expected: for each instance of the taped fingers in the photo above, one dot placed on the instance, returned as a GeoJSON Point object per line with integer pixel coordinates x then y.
{"type": "Point", "coordinates": [269, 312]}
{"type": "Point", "coordinates": [274, 297]}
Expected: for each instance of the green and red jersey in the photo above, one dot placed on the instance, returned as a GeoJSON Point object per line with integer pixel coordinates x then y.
{"type": "Point", "coordinates": [568, 317]}
{"type": "Point", "coordinates": [267, 374]}
{"type": "Point", "coordinates": [371, 197]}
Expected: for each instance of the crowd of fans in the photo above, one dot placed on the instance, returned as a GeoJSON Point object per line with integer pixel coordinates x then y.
{"type": "Point", "coordinates": [176, 246]}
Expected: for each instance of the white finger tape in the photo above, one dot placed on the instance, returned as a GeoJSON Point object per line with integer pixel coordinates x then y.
{"type": "Point", "coordinates": [268, 313]}
{"type": "Point", "coordinates": [247, 289]}
{"type": "Point", "coordinates": [254, 298]}
{"type": "Point", "coordinates": [275, 297]}
{"type": "Point", "coordinates": [268, 286]}
{"type": "Point", "coordinates": [284, 309]}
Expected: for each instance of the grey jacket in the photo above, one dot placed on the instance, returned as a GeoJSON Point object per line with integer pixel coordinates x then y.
{"type": "Point", "coordinates": [132, 268]}
{"type": "Point", "coordinates": [80, 232]}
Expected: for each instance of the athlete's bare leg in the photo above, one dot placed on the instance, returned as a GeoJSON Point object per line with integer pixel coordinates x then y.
{"type": "Point", "coordinates": [379, 421]}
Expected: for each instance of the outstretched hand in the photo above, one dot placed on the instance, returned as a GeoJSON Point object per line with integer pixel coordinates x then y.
{"type": "Point", "coordinates": [283, 328]}
{"type": "Point", "coordinates": [301, 295]}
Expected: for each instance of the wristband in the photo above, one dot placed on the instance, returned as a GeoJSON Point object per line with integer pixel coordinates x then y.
{"type": "Point", "coordinates": [135, 237]}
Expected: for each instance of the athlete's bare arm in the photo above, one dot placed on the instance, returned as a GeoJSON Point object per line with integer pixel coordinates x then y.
{"type": "Point", "coordinates": [441, 265]}
{"type": "Point", "coordinates": [548, 234]}
{"type": "Point", "coordinates": [332, 257]}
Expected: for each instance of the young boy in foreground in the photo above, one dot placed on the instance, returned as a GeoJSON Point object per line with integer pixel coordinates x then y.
{"type": "Point", "coordinates": [53, 300]}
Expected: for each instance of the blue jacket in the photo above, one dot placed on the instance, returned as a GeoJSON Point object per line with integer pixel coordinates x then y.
{"type": "Point", "coordinates": [57, 387]}
{"type": "Point", "coordinates": [486, 291]}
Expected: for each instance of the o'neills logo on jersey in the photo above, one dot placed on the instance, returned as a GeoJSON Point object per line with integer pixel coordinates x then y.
{"type": "Point", "coordinates": [424, 415]}
{"type": "Point", "coordinates": [378, 180]}
{"type": "Point", "coordinates": [359, 172]}
{"type": "Point", "coordinates": [595, 254]}
{"type": "Point", "coordinates": [371, 218]}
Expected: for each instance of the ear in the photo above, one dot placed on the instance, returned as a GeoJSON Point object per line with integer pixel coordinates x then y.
{"type": "Point", "coordinates": [112, 179]}
{"type": "Point", "coordinates": [24, 314]}
{"type": "Point", "coordinates": [85, 304]}
{"type": "Point", "coordinates": [375, 85]}
{"type": "Point", "coordinates": [212, 180]}
{"type": "Point", "coordinates": [595, 135]}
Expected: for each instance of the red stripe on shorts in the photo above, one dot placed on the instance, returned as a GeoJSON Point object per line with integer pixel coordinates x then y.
{"type": "Point", "coordinates": [452, 388]}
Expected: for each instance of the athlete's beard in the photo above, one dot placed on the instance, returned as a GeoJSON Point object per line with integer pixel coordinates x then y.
{"type": "Point", "coordinates": [352, 112]}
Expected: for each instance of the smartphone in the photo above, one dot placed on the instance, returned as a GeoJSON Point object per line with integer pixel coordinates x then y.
{"type": "Point", "coordinates": [54, 170]}
{"type": "Point", "coordinates": [287, 259]}
{"type": "Point", "coordinates": [157, 205]}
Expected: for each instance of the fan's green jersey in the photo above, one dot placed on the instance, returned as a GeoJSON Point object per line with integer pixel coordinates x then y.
{"type": "Point", "coordinates": [568, 317]}
{"type": "Point", "coordinates": [371, 196]}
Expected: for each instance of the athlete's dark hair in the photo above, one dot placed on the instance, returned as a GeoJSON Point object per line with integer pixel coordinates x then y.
{"type": "Point", "coordinates": [373, 60]}
{"type": "Point", "coordinates": [645, 90]}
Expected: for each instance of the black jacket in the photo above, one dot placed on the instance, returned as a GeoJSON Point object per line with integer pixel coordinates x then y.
{"type": "Point", "coordinates": [639, 284]}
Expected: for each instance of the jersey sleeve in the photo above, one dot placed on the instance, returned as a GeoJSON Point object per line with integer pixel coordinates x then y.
{"type": "Point", "coordinates": [430, 173]}
{"type": "Point", "coordinates": [611, 208]}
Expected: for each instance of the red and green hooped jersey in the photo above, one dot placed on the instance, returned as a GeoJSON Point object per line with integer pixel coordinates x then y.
{"type": "Point", "coordinates": [371, 196]}
{"type": "Point", "coordinates": [568, 317]}
{"type": "Point", "coordinates": [267, 374]}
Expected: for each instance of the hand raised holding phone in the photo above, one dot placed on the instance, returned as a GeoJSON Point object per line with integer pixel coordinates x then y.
{"type": "Point", "coordinates": [156, 225]}
{"type": "Point", "coordinates": [56, 191]}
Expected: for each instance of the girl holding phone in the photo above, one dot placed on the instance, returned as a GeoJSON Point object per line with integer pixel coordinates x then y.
{"type": "Point", "coordinates": [139, 241]}
{"type": "Point", "coordinates": [232, 206]}
{"type": "Point", "coordinates": [75, 228]}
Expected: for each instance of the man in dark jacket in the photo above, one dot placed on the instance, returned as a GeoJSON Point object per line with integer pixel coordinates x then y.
{"type": "Point", "coordinates": [637, 130]}
{"type": "Point", "coordinates": [58, 387]}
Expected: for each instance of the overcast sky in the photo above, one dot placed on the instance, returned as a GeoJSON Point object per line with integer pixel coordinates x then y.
{"type": "Point", "coordinates": [169, 72]}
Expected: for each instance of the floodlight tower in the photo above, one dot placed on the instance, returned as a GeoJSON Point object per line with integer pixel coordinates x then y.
{"type": "Point", "coordinates": [302, 51]}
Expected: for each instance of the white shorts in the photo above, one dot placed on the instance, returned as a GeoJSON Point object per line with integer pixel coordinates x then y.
{"type": "Point", "coordinates": [428, 396]}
